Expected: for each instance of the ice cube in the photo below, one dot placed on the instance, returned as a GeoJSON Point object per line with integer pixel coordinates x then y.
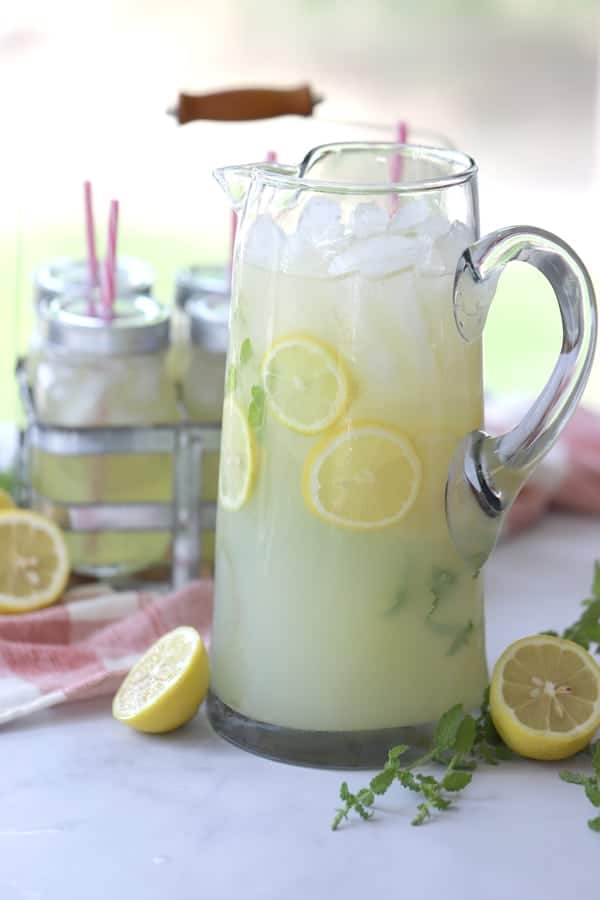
{"type": "Point", "coordinates": [301, 257]}
{"type": "Point", "coordinates": [436, 226]}
{"type": "Point", "coordinates": [473, 300]}
{"type": "Point", "coordinates": [265, 243]}
{"type": "Point", "coordinates": [451, 244]}
{"type": "Point", "coordinates": [376, 256]}
{"type": "Point", "coordinates": [320, 221]}
{"type": "Point", "coordinates": [410, 215]}
{"type": "Point", "coordinates": [368, 219]}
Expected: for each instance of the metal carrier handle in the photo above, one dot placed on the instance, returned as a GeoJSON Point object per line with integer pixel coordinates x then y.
{"type": "Point", "coordinates": [186, 517]}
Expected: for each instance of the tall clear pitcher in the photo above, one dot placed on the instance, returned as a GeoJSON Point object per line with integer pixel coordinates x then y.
{"type": "Point", "coordinates": [358, 496]}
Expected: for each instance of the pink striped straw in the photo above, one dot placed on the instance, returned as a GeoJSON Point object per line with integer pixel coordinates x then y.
{"type": "Point", "coordinates": [271, 156]}
{"type": "Point", "coordinates": [396, 167]}
{"type": "Point", "coordinates": [92, 257]}
{"type": "Point", "coordinates": [110, 262]}
{"type": "Point", "coordinates": [232, 234]}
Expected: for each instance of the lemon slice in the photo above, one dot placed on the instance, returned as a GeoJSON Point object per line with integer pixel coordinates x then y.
{"type": "Point", "coordinates": [305, 383]}
{"type": "Point", "coordinates": [6, 501]}
{"type": "Point", "coordinates": [34, 562]}
{"type": "Point", "coordinates": [545, 697]}
{"type": "Point", "coordinates": [237, 465]}
{"type": "Point", "coordinates": [367, 476]}
{"type": "Point", "coordinates": [164, 688]}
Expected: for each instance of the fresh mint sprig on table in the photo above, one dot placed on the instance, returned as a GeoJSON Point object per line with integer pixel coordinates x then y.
{"type": "Point", "coordinates": [461, 741]}
{"type": "Point", "coordinates": [586, 630]}
{"type": "Point", "coordinates": [454, 740]}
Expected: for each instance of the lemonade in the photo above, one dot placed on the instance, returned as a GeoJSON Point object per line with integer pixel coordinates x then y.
{"type": "Point", "coordinates": [341, 604]}
{"type": "Point", "coordinates": [91, 374]}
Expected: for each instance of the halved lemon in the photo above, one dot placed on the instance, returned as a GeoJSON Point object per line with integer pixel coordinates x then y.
{"type": "Point", "coordinates": [366, 476]}
{"type": "Point", "coordinates": [545, 697]}
{"type": "Point", "coordinates": [237, 465]}
{"type": "Point", "coordinates": [305, 383]}
{"type": "Point", "coordinates": [6, 501]}
{"type": "Point", "coordinates": [34, 562]}
{"type": "Point", "coordinates": [164, 688]}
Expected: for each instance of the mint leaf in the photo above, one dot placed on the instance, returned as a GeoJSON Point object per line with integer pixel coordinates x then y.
{"type": "Point", "coordinates": [231, 379]}
{"type": "Point", "coordinates": [441, 582]}
{"type": "Point", "coordinates": [399, 601]}
{"type": "Point", "coordinates": [594, 824]}
{"type": "Point", "coordinates": [465, 736]}
{"type": "Point", "coordinates": [246, 351]}
{"type": "Point", "coordinates": [382, 781]}
{"type": "Point", "coordinates": [456, 781]}
{"type": "Point", "coordinates": [461, 638]}
{"type": "Point", "coordinates": [592, 791]}
{"type": "Point", "coordinates": [256, 410]}
{"type": "Point", "coordinates": [586, 630]}
{"type": "Point", "coordinates": [572, 777]}
{"type": "Point", "coordinates": [447, 728]}
{"type": "Point", "coordinates": [396, 752]}
{"type": "Point", "coordinates": [423, 814]}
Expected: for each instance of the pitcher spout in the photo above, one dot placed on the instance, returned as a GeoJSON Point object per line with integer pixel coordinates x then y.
{"type": "Point", "coordinates": [236, 180]}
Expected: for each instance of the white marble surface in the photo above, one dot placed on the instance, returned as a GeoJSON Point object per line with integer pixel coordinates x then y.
{"type": "Point", "coordinates": [90, 810]}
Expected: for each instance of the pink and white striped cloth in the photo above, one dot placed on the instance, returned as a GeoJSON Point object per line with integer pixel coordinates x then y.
{"type": "Point", "coordinates": [83, 647]}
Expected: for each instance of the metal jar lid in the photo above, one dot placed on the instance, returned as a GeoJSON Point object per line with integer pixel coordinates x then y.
{"type": "Point", "coordinates": [209, 322]}
{"type": "Point", "coordinates": [139, 325]}
{"type": "Point", "coordinates": [65, 276]}
{"type": "Point", "coordinates": [196, 281]}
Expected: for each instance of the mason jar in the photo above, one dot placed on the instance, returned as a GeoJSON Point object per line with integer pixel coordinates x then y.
{"type": "Point", "coordinates": [203, 383]}
{"type": "Point", "coordinates": [67, 277]}
{"type": "Point", "coordinates": [192, 282]}
{"type": "Point", "coordinates": [90, 373]}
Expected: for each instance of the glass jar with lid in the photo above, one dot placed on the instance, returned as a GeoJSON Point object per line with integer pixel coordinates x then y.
{"type": "Point", "coordinates": [192, 282]}
{"type": "Point", "coordinates": [93, 372]}
{"type": "Point", "coordinates": [68, 277]}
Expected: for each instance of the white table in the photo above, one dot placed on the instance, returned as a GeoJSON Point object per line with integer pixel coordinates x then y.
{"type": "Point", "coordinates": [90, 810]}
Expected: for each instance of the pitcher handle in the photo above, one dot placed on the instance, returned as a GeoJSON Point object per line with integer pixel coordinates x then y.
{"type": "Point", "coordinates": [487, 472]}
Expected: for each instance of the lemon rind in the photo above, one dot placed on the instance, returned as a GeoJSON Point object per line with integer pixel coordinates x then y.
{"type": "Point", "coordinates": [238, 503]}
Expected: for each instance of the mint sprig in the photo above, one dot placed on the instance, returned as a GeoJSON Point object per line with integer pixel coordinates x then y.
{"type": "Point", "coordinates": [586, 630]}
{"type": "Point", "coordinates": [453, 742]}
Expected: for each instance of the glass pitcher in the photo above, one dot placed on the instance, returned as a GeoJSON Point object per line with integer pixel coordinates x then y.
{"type": "Point", "coordinates": [358, 495]}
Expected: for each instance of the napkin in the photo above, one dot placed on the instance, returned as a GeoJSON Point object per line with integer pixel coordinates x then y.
{"type": "Point", "coordinates": [84, 646]}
